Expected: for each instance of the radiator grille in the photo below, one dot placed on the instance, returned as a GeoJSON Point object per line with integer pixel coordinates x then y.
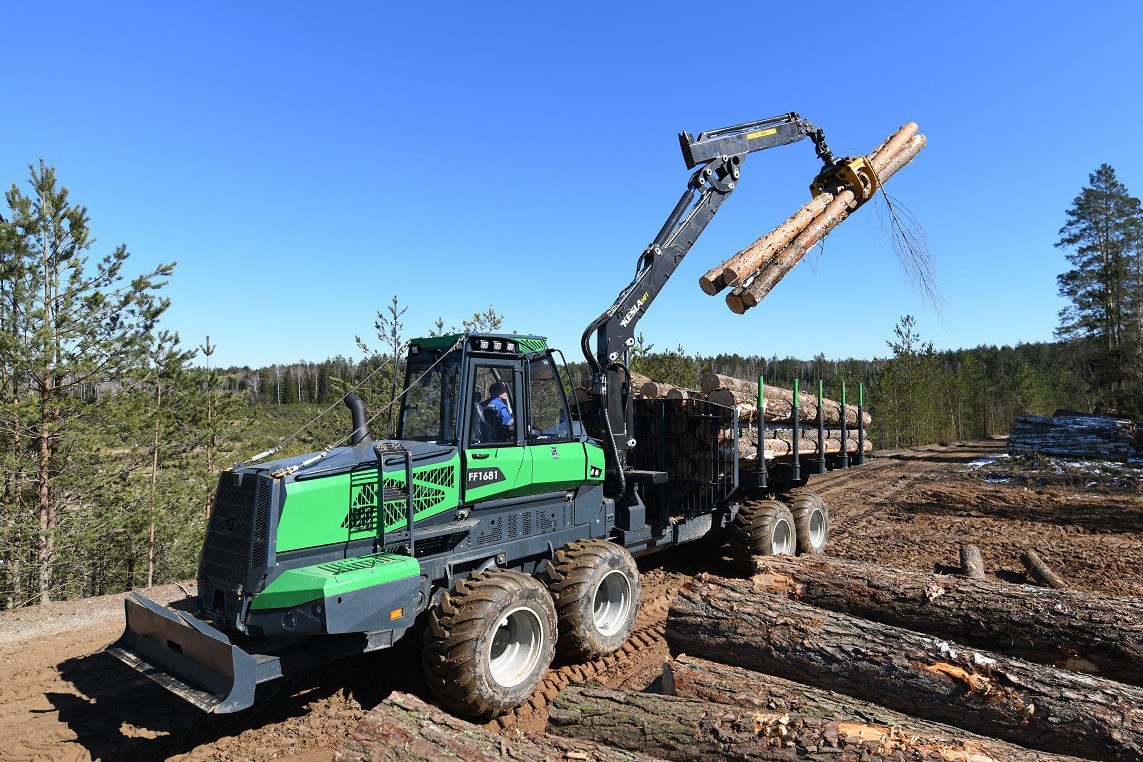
{"type": "Point", "coordinates": [237, 535]}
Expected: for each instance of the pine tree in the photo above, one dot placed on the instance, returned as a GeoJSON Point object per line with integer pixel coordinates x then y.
{"type": "Point", "coordinates": [69, 328]}
{"type": "Point", "coordinates": [1104, 286]}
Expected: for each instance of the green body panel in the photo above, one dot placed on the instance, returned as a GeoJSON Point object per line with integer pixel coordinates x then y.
{"type": "Point", "coordinates": [558, 466]}
{"type": "Point", "coordinates": [339, 508]}
{"type": "Point", "coordinates": [515, 464]}
{"type": "Point", "coordinates": [532, 344]}
{"type": "Point", "coordinates": [595, 463]}
{"type": "Point", "coordinates": [437, 342]}
{"type": "Point", "coordinates": [298, 586]}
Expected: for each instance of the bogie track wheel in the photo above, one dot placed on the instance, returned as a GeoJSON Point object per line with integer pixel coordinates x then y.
{"type": "Point", "coordinates": [489, 642]}
{"type": "Point", "coordinates": [761, 528]}
{"type": "Point", "coordinates": [811, 522]}
{"type": "Point", "coordinates": [595, 585]}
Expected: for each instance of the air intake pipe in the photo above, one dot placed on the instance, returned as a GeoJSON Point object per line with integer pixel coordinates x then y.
{"type": "Point", "coordinates": [356, 407]}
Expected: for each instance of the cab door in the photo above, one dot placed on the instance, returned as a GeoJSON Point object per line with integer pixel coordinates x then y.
{"type": "Point", "coordinates": [496, 463]}
{"type": "Point", "coordinates": [559, 460]}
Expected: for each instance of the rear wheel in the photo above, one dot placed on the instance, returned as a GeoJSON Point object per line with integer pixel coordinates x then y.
{"type": "Point", "coordinates": [595, 585]}
{"type": "Point", "coordinates": [488, 642]}
{"type": "Point", "coordinates": [811, 522]}
{"type": "Point", "coordinates": [762, 528]}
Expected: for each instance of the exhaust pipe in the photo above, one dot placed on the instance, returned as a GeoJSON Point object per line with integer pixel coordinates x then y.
{"type": "Point", "coordinates": [356, 407]}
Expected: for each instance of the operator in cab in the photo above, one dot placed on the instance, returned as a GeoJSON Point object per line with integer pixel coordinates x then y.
{"type": "Point", "coordinates": [498, 412]}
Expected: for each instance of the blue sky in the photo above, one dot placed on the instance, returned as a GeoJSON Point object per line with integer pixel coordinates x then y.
{"type": "Point", "coordinates": [303, 163]}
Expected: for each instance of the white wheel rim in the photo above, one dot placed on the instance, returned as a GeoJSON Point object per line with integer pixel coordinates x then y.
{"type": "Point", "coordinates": [516, 645]}
{"type": "Point", "coordinates": [782, 540]}
{"type": "Point", "coordinates": [611, 602]}
{"type": "Point", "coordinates": [817, 529]}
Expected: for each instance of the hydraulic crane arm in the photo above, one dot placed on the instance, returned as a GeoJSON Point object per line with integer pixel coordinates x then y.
{"type": "Point", "coordinates": [718, 156]}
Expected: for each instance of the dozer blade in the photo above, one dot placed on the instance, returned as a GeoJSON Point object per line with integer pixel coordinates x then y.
{"type": "Point", "coordinates": [186, 656]}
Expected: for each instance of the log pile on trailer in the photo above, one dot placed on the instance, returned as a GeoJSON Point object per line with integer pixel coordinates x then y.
{"type": "Point", "coordinates": [784, 428]}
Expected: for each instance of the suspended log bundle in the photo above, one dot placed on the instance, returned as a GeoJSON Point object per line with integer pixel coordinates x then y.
{"type": "Point", "coordinates": [895, 732]}
{"type": "Point", "coordinates": [755, 270]}
{"type": "Point", "coordinates": [1075, 436]}
{"type": "Point", "coordinates": [405, 729]}
{"type": "Point", "coordinates": [984, 692]}
{"type": "Point", "coordinates": [1080, 631]}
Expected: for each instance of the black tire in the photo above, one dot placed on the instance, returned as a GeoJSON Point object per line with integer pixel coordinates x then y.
{"type": "Point", "coordinates": [595, 585]}
{"type": "Point", "coordinates": [761, 528]}
{"type": "Point", "coordinates": [489, 642]}
{"type": "Point", "coordinates": [811, 522]}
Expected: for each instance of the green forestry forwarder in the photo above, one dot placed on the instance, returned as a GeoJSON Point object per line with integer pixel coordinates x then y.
{"type": "Point", "coordinates": [506, 541]}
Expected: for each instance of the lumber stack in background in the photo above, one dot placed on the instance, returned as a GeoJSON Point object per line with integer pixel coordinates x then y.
{"type": "Point", "coordinates": [1088, 437]}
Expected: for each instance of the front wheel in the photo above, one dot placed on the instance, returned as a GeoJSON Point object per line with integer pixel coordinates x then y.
{"type": "Point", "coordinates": [762, 528]}
{"type": "Point", "coordinates": [595, 585]}
{"type": "Point", "coordinates": [488, 642]}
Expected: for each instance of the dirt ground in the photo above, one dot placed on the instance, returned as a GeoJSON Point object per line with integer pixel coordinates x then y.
{"type": "Point", "coordinates": [62, 698]}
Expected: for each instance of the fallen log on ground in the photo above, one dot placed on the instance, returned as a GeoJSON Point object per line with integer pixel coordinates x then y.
{"type": "Point", "coordinates": [703, 680]}
{"type": "Point", "coordinates": [403, 728]}
{"type": "Point", "coordinates": [754, 289]}
{"type": "Point", "coordinates": [1040, 571]}
{"type": "Point", "coordinates": [1031, 705]}
{"type": "Point", "coordinates": [1059, 627]}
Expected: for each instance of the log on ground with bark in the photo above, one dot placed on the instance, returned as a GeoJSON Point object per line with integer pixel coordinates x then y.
{"type": "Point", "coordinates": [704, 680]}
{"type": "Point", "coordinates": [984, 692]}
{"type": "Point", "coordinates": [406, 729]}
{"type": "Point", "coordinates": [1069, 629]}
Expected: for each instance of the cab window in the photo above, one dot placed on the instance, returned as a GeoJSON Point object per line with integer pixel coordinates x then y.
{"type": "Point", "coordinates": [547, 407]}
{"type": "Point", "coordinates": [493, 413]}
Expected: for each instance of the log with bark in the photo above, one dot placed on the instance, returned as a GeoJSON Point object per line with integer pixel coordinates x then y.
{"type": "Point", "coordinates": [782, 448]}
{"type": "Point", "coordinates": [1040, 571]}
{"type": "Point", "coordinates": [1064, 628]}
{"type": "Point", "coordinates": [703, 680]}
{"type": "Point", "coordinates": [746, 393]}
{"type": "Point", "coordinates": [405, 729]}
{"type": "Point", "coordinates": [1075, 436]}
{"type": "Point", "coordinates": [971, 562]}
{"type": "Point", "coordinates": [985, 692]}
{"type": "Point", "coordinates": [675, 728]}
{"type": "Point", "coordinates": [758, 254]}
{"type": "Point", "coordinates": [753, 289]}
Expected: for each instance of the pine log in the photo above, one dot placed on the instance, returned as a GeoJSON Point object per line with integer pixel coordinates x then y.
{"type": "Point", "coordinates": [747, 392]}
{"type": "Point", "coordinates": [754, 289]}
{"type": "Point", "coordinates": [782, 448]}
{"type": "Point", "coordinates": [891, 147]}
{"type": "Point", "coordinates": [675, 728]}
{"type": "Point", "coordinates": [1031, 705]}
{"type": "Point", "coordinates": [1064, 628]}
{"type": "Point", "coordinates": [732, 271]}
{"type": "Point", "coordinates": [764, 249]}
{"type": "Point", "coordinates": [654, 390]}
{"type": "Point", "coordinates": [1040, 571]}
{"type": "Point", "coordinates": [637, 380]}
{"type": "Point", "coordinates": [405, 729]}
{"type": "Point", "coordinates": [676, 393]}
{"type": "Point", "coordinates": [702, 680]}
{"type": "Point", "coordinates": [971, 562]}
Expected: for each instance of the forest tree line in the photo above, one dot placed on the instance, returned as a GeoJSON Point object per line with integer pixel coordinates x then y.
{"type": "Point", "coordinates": [113, 431]}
